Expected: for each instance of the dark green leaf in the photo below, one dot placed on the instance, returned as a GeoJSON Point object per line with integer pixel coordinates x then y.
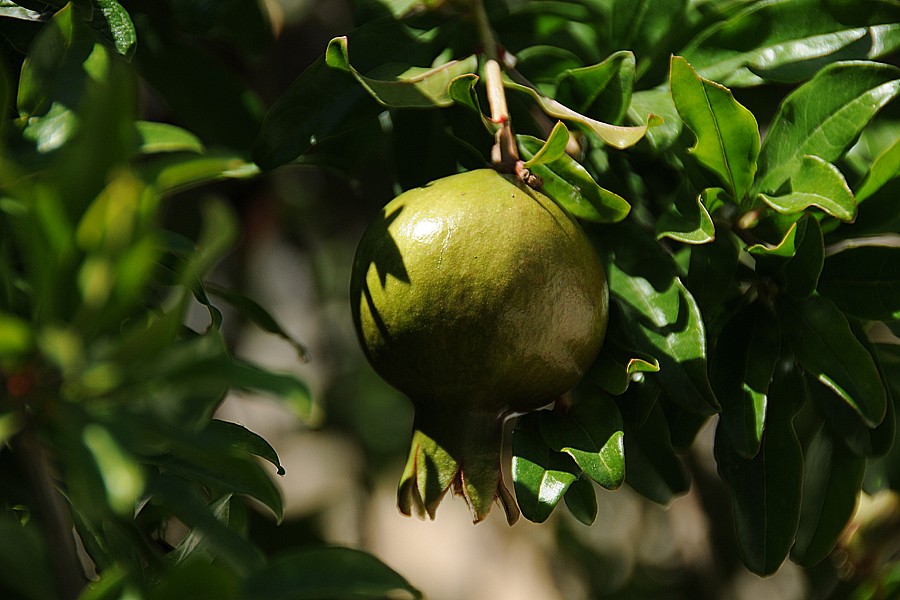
{"type": "Point", "coordinates": [541, 475]}
{"type": "Point", "coordinates": [820, 337]}
{"type": "Point", "coordinates": [822, 118]}
{"type": "Point", "coordinates": [742, 367]}
{"type": "Point", "coordinates": [591, 433]}
{"type": "Point", "coordinates": [765, 490]}
{"type": "Point", "coordinates": [259, 316]}
{"type": "Point", "coordinates": [864, 281]}
{"type": "Point", "coordinates": [816, 183]}
{"type": "Point", "coordinates": [687, 220]}
{"type": "Point", "coordinates": [462, 91]}
{"type": "Point", "coordinates": [197, 579]}
{"type": "Point", "coordinates": [661, 315]}
{"type": "Point", "coordinates": [885, 167]}
{"type": "Point", "coordinates": [727, 133]}
{"type": "Point", "coordinates": [831, 480]}
{"type": "Point", "coordinates": [241, 438]}
{"type": "Point", "coordinates": [401, 86]}
{"type": "Point", "coordinates": [175, 172]}
{"type": "Point", "coordinates": [286, 387]}
{"type": "Point", "coordinates": [644, 26]}
{"type": "Point", "coordinates": [801, 273]}
{"type": "Point", "coordinates": [654, 470]}
{"type": "Point", "coordinates": [553, 149]}
{"type": "Point", "coordinates": [327, 572]}
{"type": "Point", "coordinates": [601, 91]}
{"type": "Point", "coordinates": [616, 136]}
{"type": "Point", "coordinates": [788, 40]}
{"type": "Point", "coordinates": [711, 271]}
{"type": "Point", "coordinates": [195, 546]}
{"type": "Point", "coordinates": [24, 566]}
{"type": "Point", "coordinates": [617, 365]}
{"type": "Point", "coordinates": [573, 188]}
{"type": "Point", "coordinates": [581, 500]}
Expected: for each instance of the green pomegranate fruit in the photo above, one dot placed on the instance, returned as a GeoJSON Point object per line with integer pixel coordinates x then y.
{"type": "Point", "coordinates": [479, 298]}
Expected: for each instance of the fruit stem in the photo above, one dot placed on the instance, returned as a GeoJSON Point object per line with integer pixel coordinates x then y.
{"type": "Point", "coordinates": [505, 153]}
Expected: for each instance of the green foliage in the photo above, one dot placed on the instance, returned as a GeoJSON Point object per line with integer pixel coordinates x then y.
{"type": "Point", "coordinates": [734, 162]}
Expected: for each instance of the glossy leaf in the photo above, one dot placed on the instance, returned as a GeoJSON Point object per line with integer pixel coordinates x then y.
{"type": "Point", "coordinates": [553, 149]}
{"type": "Point", "coordinates": [821, 339]}
{"type": "Point", "coordinates": [885, 167]}
{"type": "Point", "coordinates": [654, 470]}
{"type": "Point", "coordinates": [864, 281]}
{"type": "Point", "coordinates": [831, 480]}
{"type": "Point", "coordinates": [118, 23]}
{"type": "Point", "coordinates": [327, 572]}
{"type": "Point", "coordinates": [822, 118]}
{"type": "Point", "coordinates": [791, 40]}
{"type": "Point", "coordinates": [163, 137]}
{"type": "Point", "coordinates": [816, 183]}
{"type": "Point", "coordinates": [847, 427]}
{"type": "Point", "coordinates": [601, 91]}
{"type": "Point", "coordinates": [617, 136]}
{"type": "Point", "coordinates": [727, 133]}
{"type": "Point", "coordinates": [541, 475]}
{"type": "Point", "coordinates": [741, 370]}
{"type": "Point", "coordinates": [569, 184]}
{"type": "Point", "coordinates": [711, 271]}
{"type": "Point", "coordinates": [661, 315]}
{"type": "Point", "coordinates": [765, 490]}
{"type": "Point", "coordinates": [591, 433]}
{"type": "Point", "coordinates": [798, 257]}
{"type": "Point", "coordinates": [656, 106]}
{"type": "Point", "coordinates": [462, 91]}
{"type": "Point", "coordinates": [581, 500]}
{"type": "Point", "coordinates": [241, 438]}
{"type": "Point", "coordinates": [402, 87]}
{"type": "Point", "coordinates": [688, 220]}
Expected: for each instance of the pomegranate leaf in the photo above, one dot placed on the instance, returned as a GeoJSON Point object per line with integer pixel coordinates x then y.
{"type": "Point", "coordinates": [688, 219]}
{"type": "Point", "coordinates": [581, 500]}
{"type": "Point", "coordinates": [831, 480]}
{"type": "Point", "coordinates": [601, 91]}
{"type": "Point", "coordinates": [541, 475]}
{"type": "Point", "coordinates": [553, 149]}
{"type": "Point", "coordinates": [727, 133]}
{"type": "Point", "coordinates": [864, 281]}
{"type": "Point", "coordinates": [816, 183]}
{"type": "Point", "coordinates": [653, 469]}
{"type": "Point", "coordinates": [885, 167]}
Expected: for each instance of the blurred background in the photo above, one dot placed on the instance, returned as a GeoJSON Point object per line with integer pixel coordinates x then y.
{"type": "Point", "coordinates": [301, 224]}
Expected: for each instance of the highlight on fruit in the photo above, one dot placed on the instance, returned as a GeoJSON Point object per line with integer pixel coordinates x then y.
{"type": "Point", "coordinates": [479, 298]}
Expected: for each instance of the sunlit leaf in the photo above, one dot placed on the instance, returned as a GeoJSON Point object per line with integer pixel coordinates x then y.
{"type": "Point", "coordinates": [831, 480]}
{"type": "Point", "coordinates": [885, 167]}
{"type": "Point", "coordinates": [591, 433]}
{"type": "Point", "coordinates": [401, 86]}
{"type": "Point", "coordinates": [573, 188]}
{"type": "Point", "coordinates": [822, 118]}
{"type": "Point", "coordinates": [601, 91]}
{"type": "Point", "coordinates": [816, 183]}
{"type": "Point", "coordinates": [820, 337]}
{"type": "Point", "coordinates": [238, 436]}
{"type": "Point", "coordinates": [164, 137]}
{"type": "Point", "coordinates": [118, 24]}
{"type": "Point", "coordinates": [541, 475]}
{"type": "Point", "coordinates": [553, 149]}
{"type": "Point", "coordinates": [727, 133]}
{"type": "Point", "coordinates": [688, 220]}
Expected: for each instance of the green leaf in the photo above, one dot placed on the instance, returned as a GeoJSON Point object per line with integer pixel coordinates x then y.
{"type": "Point", "coordinates": [616, 136]}
{"type": "Point", "coordinates": [591, 433]}
{"type": "Point", "coordinates": [581, 500]}
{"type": "Point", "coordinates": [286, 387]}
{"type": "Point", "coordinates": [791, 40]}
{"type": "Point", "coordinates": [241, 438]}
{"type": "Point", "coordinates": [553, 149]}
{"type": "Point", "coordinates": [765, 490]}
{"type": "Point", "coordinates": [885, 167]}
{"type": "Point", "coordinates": [259, 316]}
{"type": "Point", "coordinates": [661, 315]}
{"type": "Point", "coordinates": [654, 470]}
{"type": "Point", "coordinates": [822, 341]}
{"type": "Point", "coordinates": [644, 26]}
{"type": "Point", "coordinates": [541, 475]}
{"type": "Point", "coordinates": [864, 280]}
{"type": "Point", "coordinates": [122, 476]}
{"type": "Point", "coordinates": [711, 271]}
{"type": "Point", "coordinates": [402, 86]}
{"type": "Point", "coordinates": [163, 137]}
{"type": "Point", "coordinates": [196, 579]}
{"type": "Point", "coordinates": [687, 220]}
{"type": "Point", "coordinates": [196, 544]}
{"type": "Point", "coordinates": [462, 91]}
{"type": "Point", "coordinates": [831, 480]}
{"type": "Point", "coordinates": [601, 91]}
{"type": "Point", "coordinates": [727, 133]}
{"type": "Point", "coordinates": [171, 173]}
{"type": "Point", "coordinates": [742, 367]}
{"type": "Point", "coordinates": [798, 257]}
{"type": "Point", "coordinates": [327, 572]}
{"type": "Point", "coordinates": [617, 365]}
{"type": "Point", "coordinates": [816, 183]}
{"type": "Point", "coordinates": [24, 562]}
{"type": "Point", "coordinates": [16, 337]}
{"type": "Point", "coordinates": [823, 118]}
{"type": "Point", "coordinates": [117, 22]}
{"type": "Point", "coordinates": [570, 185]}
{"type": "Point", "coordinates": [657, 106]}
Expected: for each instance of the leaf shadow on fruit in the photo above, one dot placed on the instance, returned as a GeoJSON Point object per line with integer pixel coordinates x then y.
{"type": "Point", "coordinates": [390, 261]}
